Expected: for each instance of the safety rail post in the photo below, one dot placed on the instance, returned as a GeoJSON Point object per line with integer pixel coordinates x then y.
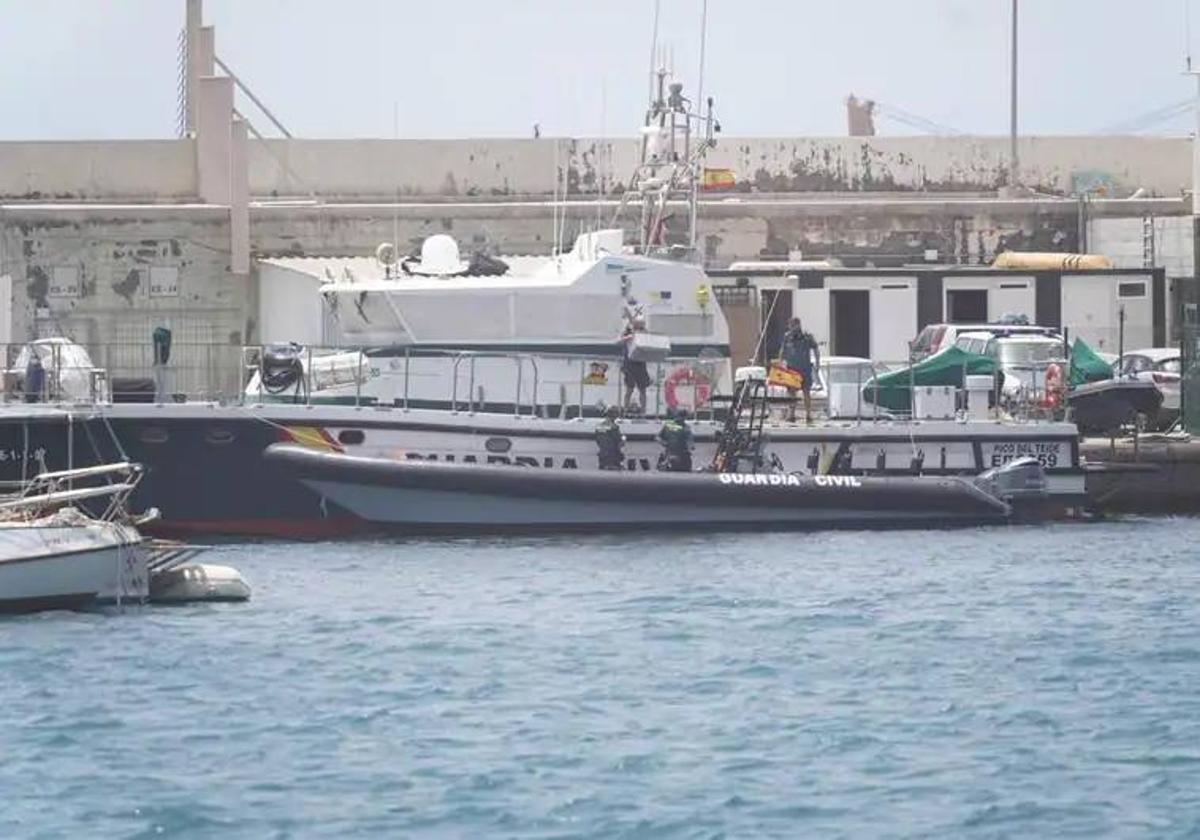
{"type": "Point", "coordinates": [471, 387]}
{"type": "Point", "coordinates": [517, 398]}
{"type": "Point", "coordinates": [582, 376]}
{"type": "Point", "coordinates": [912, 386]}
{"type": "Point", "coordinates": [308, 373]}
{"type": "Point", "coordinates": [262, 372]}
{"type": "Point", "coordinates": [454, 384]}
{"type": "Point", "coordinates": [407, 360]}
{"type": "Point", "coordinates": [536, 385]}
{"type": "Point", "coordinates": [658, 380]}
{"type": "Point", "coordinates": [964, 394]}
{"type": "Point", "coordinates": [857, 394]}
{"type": "Point", "coordinates": [358, 381]}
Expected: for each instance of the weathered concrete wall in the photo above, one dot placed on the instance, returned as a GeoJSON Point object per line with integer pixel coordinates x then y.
{"type": "Point", "coordinates": [1113, 166]}
{"type": "Point", "coordinates": [1124, 240]}
{"type": "Point", "coordinates": [457, 169]}
{"type": "Point", "coordinates": [149, 170]}
{"type": "Point", "coordinates": [108, 276]}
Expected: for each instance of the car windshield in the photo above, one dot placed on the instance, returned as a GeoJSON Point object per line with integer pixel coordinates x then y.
{"type": "Point", "coordinates": [1025, 353]}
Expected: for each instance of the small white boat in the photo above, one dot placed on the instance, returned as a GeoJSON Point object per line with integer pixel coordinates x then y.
{"type": "Point", "coordinates": [55, 556]}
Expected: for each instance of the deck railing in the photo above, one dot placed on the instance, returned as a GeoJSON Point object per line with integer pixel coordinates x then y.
{"type": "Point", "coordinates": [232, 374]}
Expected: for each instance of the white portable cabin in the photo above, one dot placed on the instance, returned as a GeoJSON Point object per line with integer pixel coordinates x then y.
{"type": "Point", "coordinates": [875, 312]}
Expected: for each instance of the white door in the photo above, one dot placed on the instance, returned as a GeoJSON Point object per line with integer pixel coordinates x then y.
{"type": "Point", "coordinates": [1013, 296]}
{"type": "Point", "coordinates": [893, 319]}
{"type": "Point", "coordinates": [1088, 310]}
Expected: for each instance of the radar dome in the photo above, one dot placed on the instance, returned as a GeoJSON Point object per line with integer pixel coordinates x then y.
{"type": "Point", "coordinates": [439, 255]}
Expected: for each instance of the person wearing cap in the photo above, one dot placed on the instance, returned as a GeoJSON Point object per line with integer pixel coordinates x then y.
{"type": "Point", "coordinates": [800, 353]}
{"type": "Point", "coordinates": [634, 372]}
{"type": "Point", "coordinates": [610, 442]}
{"type": "Point", "coordinates": [677, 443]}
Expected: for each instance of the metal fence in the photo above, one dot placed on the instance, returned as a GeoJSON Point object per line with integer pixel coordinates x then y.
{"type": "Point", "coordinates": [463, 381]}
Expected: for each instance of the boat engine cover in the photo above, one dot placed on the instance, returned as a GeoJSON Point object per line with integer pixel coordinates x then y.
{"type": "Point", "coordinates": [1020, 478]}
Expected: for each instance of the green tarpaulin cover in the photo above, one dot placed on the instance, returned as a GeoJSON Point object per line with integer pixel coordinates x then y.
{"type": "Point", "coordinates": [892, 390]}
{"type": "Point", "coordinates": [1086, 366]}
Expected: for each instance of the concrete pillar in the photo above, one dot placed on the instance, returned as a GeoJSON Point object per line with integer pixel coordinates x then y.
{"type": "Point", "coordinates": [206, 50]}
{"type": "Point", "coordinates": [191, 83]}
{"type": "Point", "coordinates": [214, 114]}
{"type": "Point", "coordinates": [239, 203]}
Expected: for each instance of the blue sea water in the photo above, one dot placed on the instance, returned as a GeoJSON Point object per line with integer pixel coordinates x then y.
{"type": "Point", "coordinates": [999, 682]}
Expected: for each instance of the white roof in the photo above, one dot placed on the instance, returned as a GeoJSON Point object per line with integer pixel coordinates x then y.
{"type": "Point", "coordinates": [1156, 354]}
{"type": "Point", "coordinates": [1024, 337]}
{"type": "Point", "coordinates": [524, 270]}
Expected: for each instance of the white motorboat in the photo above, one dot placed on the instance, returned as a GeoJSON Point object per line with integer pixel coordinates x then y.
{"type": "Point", "coordinates": [55, 556]}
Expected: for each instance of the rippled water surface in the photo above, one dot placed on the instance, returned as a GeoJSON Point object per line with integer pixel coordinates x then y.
{"type": "Point", "coordinates": [992, 683]}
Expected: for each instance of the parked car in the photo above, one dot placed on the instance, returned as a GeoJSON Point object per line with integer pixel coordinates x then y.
{"type": "Point", "coordinates": [1023, 358]}
{"type": "Point", "coordinates": [937, 337]}
{"type": "Point", "coordinates": [1160, 365]}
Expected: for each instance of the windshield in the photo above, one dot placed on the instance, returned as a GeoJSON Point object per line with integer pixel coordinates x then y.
{"type": "Point", "coordinates": [1029, 353]}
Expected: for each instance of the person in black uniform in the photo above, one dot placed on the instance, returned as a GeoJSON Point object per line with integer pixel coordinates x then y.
{"type": "Point", "coordinates": [610, 442]}
{"type": "Point", "coordinates": [677, 443]}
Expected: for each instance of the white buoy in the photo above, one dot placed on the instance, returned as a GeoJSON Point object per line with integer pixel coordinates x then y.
{"type": "Point", "coordinates": [198, 582]}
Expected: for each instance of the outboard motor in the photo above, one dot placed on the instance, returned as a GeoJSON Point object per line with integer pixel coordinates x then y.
{"type": "Point", "coordinates": [282, 368]}
{"type": "Point", "coordinates": [1018, 482]}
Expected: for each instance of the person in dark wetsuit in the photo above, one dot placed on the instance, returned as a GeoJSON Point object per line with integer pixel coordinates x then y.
{"type": "Point", "coordinates": [677, 443]}
{"type": "Point", "coordinates": [610, 442]}
{"type": "Point", "coordinates": [634, 372]}
{"type": "Point", "coordinates": [799, 352]}
{"type": "Point", "coordinates": [35, 377]}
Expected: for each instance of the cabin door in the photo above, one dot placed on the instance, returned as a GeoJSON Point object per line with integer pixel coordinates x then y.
{"type": "Point", "coordinates": [776, 312]}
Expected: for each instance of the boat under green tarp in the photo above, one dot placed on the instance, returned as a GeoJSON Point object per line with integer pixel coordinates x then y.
{"type": "Point", "coordinates": [1086, 366]}
{"type": "Point", "coordinates": [893, 391]}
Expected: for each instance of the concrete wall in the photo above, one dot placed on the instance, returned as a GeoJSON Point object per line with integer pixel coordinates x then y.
{"type": "Point", "coordinates": [108, 276]}
{"type": "Point", "coordinates": [385, 169]}
{"type": "Point", "coordinates": [1123, 240]}
{"type": "Point", "coordinates": [150, 170]}
{"type": "Point", "coordinates": [1114, 166]}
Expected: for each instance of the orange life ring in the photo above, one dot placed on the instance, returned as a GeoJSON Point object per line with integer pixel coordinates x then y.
{"type": "Point", "coordinates": [1054, 385]}
{"type": "Point", "coordinates": [686, 376]}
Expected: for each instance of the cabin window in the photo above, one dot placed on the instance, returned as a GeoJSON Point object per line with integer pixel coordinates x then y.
{"type": "Point", "coordinates": [351, 437]}
{"type": "Point", "coordinates": [153, 435]}
{"type": "Point", "coordinates": [1131, 290]}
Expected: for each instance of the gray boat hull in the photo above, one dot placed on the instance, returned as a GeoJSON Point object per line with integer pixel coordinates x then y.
{"type": "Point", "coordinates": [431, 496]}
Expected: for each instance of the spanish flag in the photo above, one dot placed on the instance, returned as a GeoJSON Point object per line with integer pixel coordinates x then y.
{"type": "Point", "coordinates": [719, 179]}
{"type": "Point", "coordinates": [784, 376]}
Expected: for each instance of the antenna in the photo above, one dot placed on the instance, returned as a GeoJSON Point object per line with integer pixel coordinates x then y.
{"type": "Point", "coordinates": [1187, 36]}
{"type": "Point", "coordinates": [600, 144]}
{"type": "Point", "coordinates": [703, 38]}
{"type": "Point", "coordinates": [554, 203]}
{"type": "Point", "coordinates": [396, 206]}
{"type": "Point", "coordinates": [654, 46]}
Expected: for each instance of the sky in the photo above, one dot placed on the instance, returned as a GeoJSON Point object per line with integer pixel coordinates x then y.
{"type": "Point", "coordinates": [104, 69]}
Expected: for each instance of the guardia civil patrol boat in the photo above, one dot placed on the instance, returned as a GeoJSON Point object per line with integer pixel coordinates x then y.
{"type": "Point", "coordinates": [740, 488]}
